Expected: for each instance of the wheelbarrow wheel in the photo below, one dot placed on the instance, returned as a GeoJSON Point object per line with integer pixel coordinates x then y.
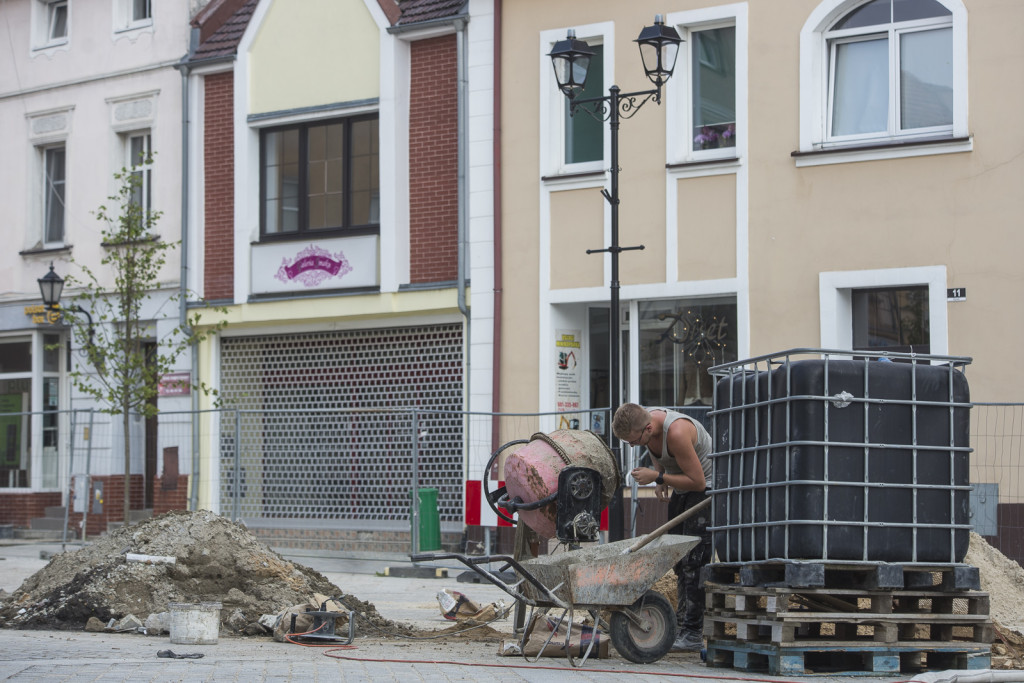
{"type": "Point", "coordinates": [632, 642]}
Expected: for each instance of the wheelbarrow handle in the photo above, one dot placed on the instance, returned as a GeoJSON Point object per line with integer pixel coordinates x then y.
{"type": "Point", "coordinates": [686, 514]}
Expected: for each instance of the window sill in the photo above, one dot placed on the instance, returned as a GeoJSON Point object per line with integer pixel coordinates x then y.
{"type": "Point", "coordinates": [45, 251]}
{"type": "Point", "coordinates": [314, 235]}
{"type": "Point", "coordinates": [696, 166]}
{"type": "Point", "coordinates": [890, 150]}
{"type": "Point", "coordinates": [575, 180]}
{"type": "Point", "coordinates": [148, 239]}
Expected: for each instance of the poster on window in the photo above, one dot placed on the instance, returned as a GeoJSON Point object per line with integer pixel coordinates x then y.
{"type": "Point", "coordinates": [567, 377]}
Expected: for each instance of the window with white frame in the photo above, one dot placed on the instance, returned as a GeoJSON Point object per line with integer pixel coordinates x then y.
{"type": "Point", "coordinates": [53, 195]}
{"type": "Point", "coordinates": [706, 95]}
{"type": "Point", "coordinates": [584, 134]}
{"type": "Point", "coordinates": [893, 318]}
{"type": "Point", "coordinates": [140, 162]}
{"type": "Point", "coordinates": [574, 143]}
{"type": "Point", "coordinates": [883, 71]}
{"type": "Point", "coordinates": [903, 309]}
{"type": "Point", "coordinates": [51, 23]}
{"type": "Point", "coordinates": [713, 88]}
{"type": "Point", "coordinates": [132, 14]}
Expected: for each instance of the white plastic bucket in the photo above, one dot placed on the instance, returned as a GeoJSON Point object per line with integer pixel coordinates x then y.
{"type": "Point", "coordinates": [195, 623]}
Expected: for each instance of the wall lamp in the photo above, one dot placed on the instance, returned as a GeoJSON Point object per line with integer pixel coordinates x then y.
{"type": "Point", "coordinates": [51, 286]}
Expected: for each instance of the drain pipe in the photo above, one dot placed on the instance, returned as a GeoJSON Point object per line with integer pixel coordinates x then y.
{"type": "Point", "coordinates": [183, 292]}
{"type": "Point", "coordinates": [496, 174]}
{"type": "Point", "coordinates": [461, 57]}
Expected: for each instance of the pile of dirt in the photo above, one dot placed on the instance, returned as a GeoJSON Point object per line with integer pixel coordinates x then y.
{"type": "Point", "coordinates": [215, 560]}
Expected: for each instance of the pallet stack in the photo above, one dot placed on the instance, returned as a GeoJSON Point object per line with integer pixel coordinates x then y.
{"type": "Point", "coordinates": [792, 617]}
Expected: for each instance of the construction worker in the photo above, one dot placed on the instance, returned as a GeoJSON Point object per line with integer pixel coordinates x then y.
{"type": "Point", "coordinates": [680, 449]}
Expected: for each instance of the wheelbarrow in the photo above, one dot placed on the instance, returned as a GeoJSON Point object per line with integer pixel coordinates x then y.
{"type": "Point", "coordinates": [614, 577]}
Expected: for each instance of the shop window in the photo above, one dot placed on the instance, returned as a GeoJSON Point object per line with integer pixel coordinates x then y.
{"type": "Point", "coordinates": [15, 435]}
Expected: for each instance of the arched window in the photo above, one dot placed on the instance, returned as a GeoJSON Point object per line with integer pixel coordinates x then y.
{"type": "Point", "coordinates": [883, 71]}
{"type": "Point", "coordinates": [891, 70]}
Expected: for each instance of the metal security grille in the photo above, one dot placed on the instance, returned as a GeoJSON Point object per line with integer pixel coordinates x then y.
{"type": "Point", "coordinates": [324, 425]}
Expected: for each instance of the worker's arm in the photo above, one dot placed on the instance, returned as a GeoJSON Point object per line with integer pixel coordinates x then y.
{"type": "Point", "coordinates": [682, 435]}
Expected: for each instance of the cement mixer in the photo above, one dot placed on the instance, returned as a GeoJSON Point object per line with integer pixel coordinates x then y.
{"type": "Point", "coordinates": [558, 483]}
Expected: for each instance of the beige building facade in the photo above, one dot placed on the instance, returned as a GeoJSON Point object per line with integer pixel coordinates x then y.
{"type": "Point", "coordinates": [832, 174]}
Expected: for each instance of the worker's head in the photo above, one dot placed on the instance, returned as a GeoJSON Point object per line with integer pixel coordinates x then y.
{"type": "Point", "coordinates": [629, 420]}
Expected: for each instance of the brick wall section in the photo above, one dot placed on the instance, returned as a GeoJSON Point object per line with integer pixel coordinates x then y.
{"type": "Point", "coordinates": [113, 504]}
{"type": "Point", "coordinates": [20, 508]}
{"type": "Point", "coordinates": [165, 500]}
{"type": "Point", "coordinates": [219, 178]}
{"type": "Point", "coordinates": [433, 162]}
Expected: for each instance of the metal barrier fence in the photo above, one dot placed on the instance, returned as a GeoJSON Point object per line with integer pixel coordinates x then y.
{"type": "Point", "coordinates": [357, 469]}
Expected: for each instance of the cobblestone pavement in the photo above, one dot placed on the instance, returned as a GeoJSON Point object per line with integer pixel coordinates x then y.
{"type": "Point", "coordinates": [80, 656]}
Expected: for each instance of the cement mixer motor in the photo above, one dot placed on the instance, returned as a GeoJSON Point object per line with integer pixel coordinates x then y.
{"type": "Point", "coordinates": [558, 483]}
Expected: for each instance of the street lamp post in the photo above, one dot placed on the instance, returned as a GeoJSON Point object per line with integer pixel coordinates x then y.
{"type": "Point", "coordinates": [659, 46]}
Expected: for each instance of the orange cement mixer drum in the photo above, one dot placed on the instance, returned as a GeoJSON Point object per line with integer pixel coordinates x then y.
{"type": "Point", "coordinates": [531, 471]}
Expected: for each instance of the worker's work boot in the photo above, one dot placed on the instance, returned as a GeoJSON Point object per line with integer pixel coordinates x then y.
{"type": "Point", "coordinates": [688, 641]}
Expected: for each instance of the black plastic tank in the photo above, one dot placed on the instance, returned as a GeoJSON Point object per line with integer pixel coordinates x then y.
{"type": "Point", "coordinates": [841, 455]}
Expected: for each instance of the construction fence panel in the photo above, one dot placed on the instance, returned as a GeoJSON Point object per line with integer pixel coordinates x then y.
{"type": "Point", "coordinates": [358, 468]}
{"type": "Point", "coordinates": [358, 465]}
{"type": "Point", "coordinates": [997, 475]}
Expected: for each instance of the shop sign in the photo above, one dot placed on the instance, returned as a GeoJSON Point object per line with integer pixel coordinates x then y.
{"type": "Point", "coordinates": [342, 263]}
{"type": "Point", "coordinates": [42, 316]}
{"type": "Point", "coordinates": [175, 384]}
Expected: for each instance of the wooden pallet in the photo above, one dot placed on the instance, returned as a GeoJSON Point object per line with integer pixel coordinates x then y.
{"type": "Point", "coordinates": [858, 575]}
{"type": "Point", "coordinates": [849, 659]}
{"type": "Point", "coordinates": [787, 616]}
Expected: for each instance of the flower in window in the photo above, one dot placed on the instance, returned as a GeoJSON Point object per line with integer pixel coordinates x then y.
{"type": "Point", "coordinates": [707, 137]}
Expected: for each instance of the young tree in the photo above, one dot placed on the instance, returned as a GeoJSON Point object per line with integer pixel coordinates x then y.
{"type": "Point", "coordinates": [120, 374]}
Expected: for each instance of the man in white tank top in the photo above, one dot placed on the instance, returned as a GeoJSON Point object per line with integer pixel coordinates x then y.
{"type": "Point", "coordinates": [680, 449]}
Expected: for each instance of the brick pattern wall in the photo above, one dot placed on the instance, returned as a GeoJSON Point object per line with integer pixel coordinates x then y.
{"type": "Point", "coordinates": [20, 508]}
{"type": "Point", "coordinates": [219, 172]}
{"type": "Point", "coordinates": [113, 504]}
{"type": "Point", "coordinates": [174, 497]}
{"type": "Point", "coordinates": [433, 162]}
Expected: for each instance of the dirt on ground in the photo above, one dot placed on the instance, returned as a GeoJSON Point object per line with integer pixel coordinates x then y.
{"type": "Point", "coordinates": [215, 560]}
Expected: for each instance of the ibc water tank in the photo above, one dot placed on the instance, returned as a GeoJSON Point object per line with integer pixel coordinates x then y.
{"type": "Point", "coordinates": [846, 458]}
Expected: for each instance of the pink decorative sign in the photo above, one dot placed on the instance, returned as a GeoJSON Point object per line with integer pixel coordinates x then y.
{"type": "Point", "coordinates": [175, 384]}
{"type": "Point", "coordinates": [312, 266]}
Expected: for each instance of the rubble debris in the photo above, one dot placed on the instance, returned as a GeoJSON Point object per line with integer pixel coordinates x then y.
{"type": "Point", "coordinates": [215, 560]}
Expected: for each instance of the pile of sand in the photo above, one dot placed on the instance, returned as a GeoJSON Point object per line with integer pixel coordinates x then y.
{"type": "Point", "coordinates": [215, 560]}
{"type": "Point", "coordinates": [1002, 579]}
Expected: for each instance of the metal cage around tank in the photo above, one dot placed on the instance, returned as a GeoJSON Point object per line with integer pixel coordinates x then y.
{"type": "Point", "coordinates": [841, 455]}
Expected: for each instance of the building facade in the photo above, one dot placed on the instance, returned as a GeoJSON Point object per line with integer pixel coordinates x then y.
{"type": "Point", "coordinates": [822, 173]}
{"type": "Point", "coordinates": [333, 170]}
{"type": "Point", "coordinates": [87, 89]}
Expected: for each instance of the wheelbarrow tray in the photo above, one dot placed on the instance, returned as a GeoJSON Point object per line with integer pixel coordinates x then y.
{"type": "Point", "coordinates": [604, 575]}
